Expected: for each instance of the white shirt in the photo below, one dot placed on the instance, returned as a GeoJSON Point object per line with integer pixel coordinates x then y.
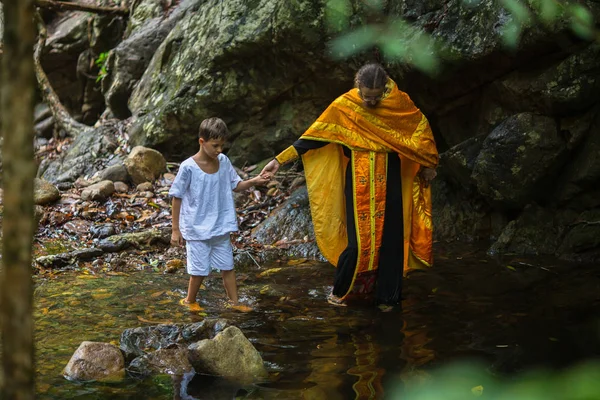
{"type": "Point", "coordinates": [207, 208]}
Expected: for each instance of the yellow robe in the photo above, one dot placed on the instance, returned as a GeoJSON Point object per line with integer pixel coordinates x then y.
{"type": "Point", "coordinates": [395, 125]}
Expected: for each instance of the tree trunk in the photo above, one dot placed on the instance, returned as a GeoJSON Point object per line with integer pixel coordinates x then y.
{"type": "Point", "coordinates": [17, 83]}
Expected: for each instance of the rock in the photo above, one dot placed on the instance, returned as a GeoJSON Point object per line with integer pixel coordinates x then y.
{"type": "Point", "coordinates": [68, 258]}
{"type": "Point", "coordinates": [45, 128]}
{"type": "Point", "coordinates": [572, 84]}
{"type": "Point", "coordinates": [38, 214]}
{"type": "Point", "coordinates": [169, 178]}
{"type": "Point", "coordinates": [147, 195]}
{"type": "Point", "coordinates": [115, 173]}
{"type": "Point", "coordinates": [122, 241]}
{"type": "Point", "coordinates": [582, 174]}
{"type": "Point", "coordinates": [102, 231]}
{"type": "Point", "coordinates": [41, 112]}
{"type": "Point", "coordinates": [145, 187]}
{"type": "Point", "coordinates": [77, 226]}
{"type": "Point", "coordinates": [457, 214]}
{"type": "Point", "coordinates": [136, 342]}
{"type": "Point", "coordinates": [87, 155]}
{"type": "Point", "coordinates": [96, 361]}
{"type": "Point", "coordinates": [458, 162]}
{"type": "Point", "coordinates": [162, 361]}
{"type": "Point", "coordinates": [229, 354]}
{"type": "Point", "coordinates": [519, 160]}
{"type": "Point", "coordinates": [536, 231]}
{"type": "Point", "coordinates": [583, 236]}
{"type": "Point", "coordinates": [98, 192]}
{"type": "Point", "coordinates": [121, 187]}
{"type": "Point", "coordinates": [144, 164]}
{"type": "Point", "coordinates": [228, 33]}
{"type": "Point", "coordinates": [290, 220]}
{"type": "Point", "coordinates": [148, 27]}
{"type": "Point", "coordinates": [44, 192]}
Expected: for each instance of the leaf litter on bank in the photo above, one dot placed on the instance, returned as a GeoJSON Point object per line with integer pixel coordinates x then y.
{"type": "Point", "coordinates": [72, 223]}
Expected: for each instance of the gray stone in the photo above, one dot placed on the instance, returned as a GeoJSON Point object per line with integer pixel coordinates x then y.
{"type": "Point", "coordinates": [98, 192]}
{"type": "Point", "coordinates": [115, 173]}
{"type": "Point", "coordinates": [96, 361]}
{"type": "Point", "coordinates": [145, 187]}
{"type": "Point", "coordinates": [229, 354]}
{"type": "Point", "coordinates": [88, 154]}
{"type": "Point", "coordinates": [136, 342]}
{"type": "Point", "coordinates": [162, 361]}
{"type": "Point", "coordinates": [121, 187]}
{"type": "Point", "coordinates": [44, 192]}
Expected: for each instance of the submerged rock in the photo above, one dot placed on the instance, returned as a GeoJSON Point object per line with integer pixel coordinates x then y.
{"type": "Point", "coordinates": [136, 342]}
{"type": "Point", "coordinates": [229, 354]}
{"type": "Point", "coordinates": [162, 361]}
{"type": "Point", "coordinates": [96, 361]}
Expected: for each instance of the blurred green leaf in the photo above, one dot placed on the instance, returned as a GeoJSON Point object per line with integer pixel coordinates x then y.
{"type": "Point", "coordinates": [354, 42]}
{"type": "Point", "coordinates": [511, 34]}
{"type": "Point", "coordinates": [549, 10]}
{"type": "Point", "coordinates": [375, 5]}
{"type": "Point", "coordinates": [518, 10]}
{"type": "Point", "coordinates": [582, 21]}
{"type": "Point", "coordinates": [337, 14]}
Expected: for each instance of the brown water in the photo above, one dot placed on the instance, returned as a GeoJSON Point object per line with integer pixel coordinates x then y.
{"type": "Point", "coordinates": [511, 314]}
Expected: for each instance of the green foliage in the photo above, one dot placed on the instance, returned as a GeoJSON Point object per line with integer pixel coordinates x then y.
{"type": "Point", "coordinates": [101, 62]}
{"type": "Point", "coordinates": [402, 41]}
{"type": "Point", "coordinates": [470, 381]}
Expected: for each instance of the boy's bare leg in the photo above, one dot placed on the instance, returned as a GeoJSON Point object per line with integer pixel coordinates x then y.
{"type": "Point", "coordinates": [230, 286]}
{"type": "Point", "coordinates": [193, 288]}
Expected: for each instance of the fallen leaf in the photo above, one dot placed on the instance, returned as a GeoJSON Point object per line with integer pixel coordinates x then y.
{"type": "Point", "coordinates": [270, 271]}
{"type": "Point", "coordinates": [297, 261]}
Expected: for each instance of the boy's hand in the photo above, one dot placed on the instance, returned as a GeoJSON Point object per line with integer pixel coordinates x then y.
{"type": "Point", "coordinates": [270, 169]}
{"type": "Point", "coordinates": [261, 180]}
{"type": "Point", "coordinates": [177, 239]}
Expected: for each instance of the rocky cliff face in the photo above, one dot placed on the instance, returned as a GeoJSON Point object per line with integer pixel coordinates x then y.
{"type": "Point", "coordinates": [519, 132]}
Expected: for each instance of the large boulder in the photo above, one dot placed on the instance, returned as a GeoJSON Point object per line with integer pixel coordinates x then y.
{"type": "Point", "coordinates": [229, 354]}
{"type": "Point", "coordinates": [290, 223]}
{"type": "Point", "coordinates": [216, 62]}
{"type": "Point", "coordinates": [148, 27]}
{"type": "Point", "coordinates": [89, 153]}
{"type": "Point", "coordinates": [96, 361]}
{"type": "Point", "coordinates": [519, 160]}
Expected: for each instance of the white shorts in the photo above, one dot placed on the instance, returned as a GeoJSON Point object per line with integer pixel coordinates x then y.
{"type": "Point", "coordinates": [202, 255]}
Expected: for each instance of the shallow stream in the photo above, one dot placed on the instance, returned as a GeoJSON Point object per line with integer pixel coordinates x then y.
{"type": "Point", "coordinates": [512, 314]}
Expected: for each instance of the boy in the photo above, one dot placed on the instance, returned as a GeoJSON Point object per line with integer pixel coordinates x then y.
{"type": "Point", "coordinates": [203, 210]}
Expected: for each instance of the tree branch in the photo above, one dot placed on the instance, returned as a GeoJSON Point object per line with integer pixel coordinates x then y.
{"type": "Point", "coordinates": [62, 117]}
{"type": "Point", "coordinates": [63, 6]}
